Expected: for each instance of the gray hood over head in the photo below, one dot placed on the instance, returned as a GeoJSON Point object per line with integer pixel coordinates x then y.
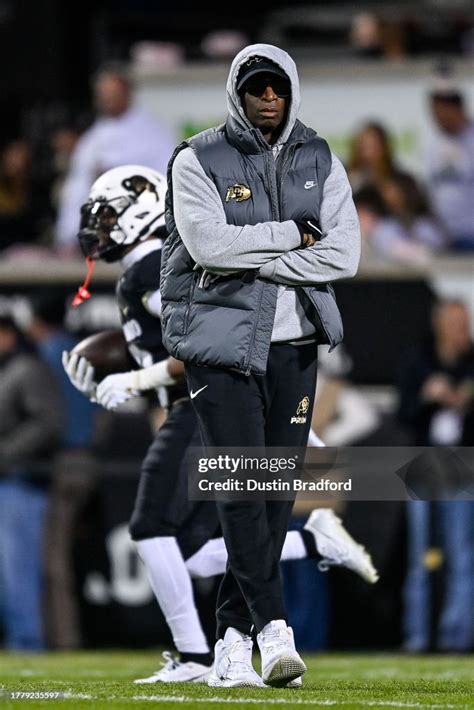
{"type": "Point", "coordinates": [278, 56]}
{"type": "Point", "coordinates": [201, 173]}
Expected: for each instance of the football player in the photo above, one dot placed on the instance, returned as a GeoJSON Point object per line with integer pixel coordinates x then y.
{"type": "Point", "coordinates": [177, 539]}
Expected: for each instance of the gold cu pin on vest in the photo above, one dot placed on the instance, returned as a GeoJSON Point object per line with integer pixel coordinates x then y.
{"type": "Point", "coordinates": [238, 192]}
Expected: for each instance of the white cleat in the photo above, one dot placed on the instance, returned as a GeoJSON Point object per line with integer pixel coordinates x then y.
{"type": "Point", "coordinates": [233, 663]}
{"type": "Point", "coordinates": [337, 547]}
{"type": "Point", "coordinates": [173, 671]}
{"type": "Point", "coordinates": [281, 663]}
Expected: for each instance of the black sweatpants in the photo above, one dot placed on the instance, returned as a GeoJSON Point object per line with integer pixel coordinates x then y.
{"type": "Point", "coordinates": [235, 410]}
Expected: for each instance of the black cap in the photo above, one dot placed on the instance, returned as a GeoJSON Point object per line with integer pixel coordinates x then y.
{"type": "Point", "coordinates": [449, 97]}
{"type": "Point", "coordinates": [445, 89]}
{"type": "Point", "coordinates": [258, 65]}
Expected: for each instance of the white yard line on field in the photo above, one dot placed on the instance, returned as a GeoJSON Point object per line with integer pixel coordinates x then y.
{"type": "Point", "coordinates": [290, 699]}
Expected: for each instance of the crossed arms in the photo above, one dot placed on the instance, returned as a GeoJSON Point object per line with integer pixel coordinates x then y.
{"type": "Point", "coordinates": [271, 247]}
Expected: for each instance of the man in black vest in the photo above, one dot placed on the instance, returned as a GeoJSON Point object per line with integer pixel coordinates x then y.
{"type": "Point", "coordinates": [261, 219]}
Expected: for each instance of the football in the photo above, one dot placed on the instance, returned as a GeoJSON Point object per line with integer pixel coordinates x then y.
{"type": "Point", "coordinates": [107, 351]}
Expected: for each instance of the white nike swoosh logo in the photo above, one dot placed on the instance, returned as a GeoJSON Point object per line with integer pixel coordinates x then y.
{"type": "Point", "coordinates": [195, 394]}
{"type": "Point", "coordinates": [313, 226]}
{"type": "Point", "coordinates": [309, 185]}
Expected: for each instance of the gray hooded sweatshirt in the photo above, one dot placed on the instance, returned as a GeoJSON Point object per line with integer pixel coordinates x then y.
{"type": "Point", "coordinates": [270, 247]}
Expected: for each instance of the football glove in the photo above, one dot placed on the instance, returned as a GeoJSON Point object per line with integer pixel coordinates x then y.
{"type": "Point", "coordinates": [81, 373]}
{"type": "Point", "coordinates": [115, 390]}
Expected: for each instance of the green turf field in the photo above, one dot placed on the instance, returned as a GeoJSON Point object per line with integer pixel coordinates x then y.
{"type": "Point", "coordinates": [349, 681]}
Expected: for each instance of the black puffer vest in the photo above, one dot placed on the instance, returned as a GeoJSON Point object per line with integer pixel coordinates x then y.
{"type": "Point", "coordinates": [227, 321]}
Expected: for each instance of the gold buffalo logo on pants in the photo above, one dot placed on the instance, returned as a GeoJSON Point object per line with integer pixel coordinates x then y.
{"type": "Point", "coordinates": [301, 411]}
{"type": "Point", "coordinates": [303, 406]}
{"type": "Point", "coordinates": [238, 192]}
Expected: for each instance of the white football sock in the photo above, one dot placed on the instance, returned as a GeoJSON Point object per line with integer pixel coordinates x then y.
{"type": "Point", "coordinates": [293, 547]}
{"type": "Point", "coordinates": [314, 440]}
{"type": "Point", "coordinates": [171, 584]}
{"type": "Point", "coordinates": [209, 560]}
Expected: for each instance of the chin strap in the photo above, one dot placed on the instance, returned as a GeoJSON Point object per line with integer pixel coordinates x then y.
{"type": "Point", "coordinates": [83, 292]}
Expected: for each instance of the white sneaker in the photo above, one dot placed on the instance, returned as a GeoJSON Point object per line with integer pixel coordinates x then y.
{"type": "Point", "coordinates": [233, 663]}
{"type": "Point", "coordinates": [281, 663]}
{"type": "Point", "coordinates": [337, 547]}
{"type": "Point", "coordinates": [174, 671]}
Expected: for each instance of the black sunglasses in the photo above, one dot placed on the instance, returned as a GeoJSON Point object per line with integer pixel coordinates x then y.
{"type": "Point", "coordinates": [256, 87]}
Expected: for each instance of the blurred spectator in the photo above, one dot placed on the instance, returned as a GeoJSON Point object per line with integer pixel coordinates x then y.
{"type": "Point", "coordinates": [396, 219]}
{"type": "Point", "coordinates": [371, 158]}
{"type": "Point", "coordinates": [437, 386]}
{"type": "Point", "coordinates": [21, 206]}
{"type": "Point", "coordinates": [122, 133]}
{"type": "Point", "coordinates": [450, 166]}
{"type": "Point", "coordinates": [384, 237]}
{"type": "Point", "coordinates": [366, 35]}
{"type": "Point", "coordinates": [73, 474]}
{"type": "Point", "coordinates": [374, 37]}
{"type": "Point", "coordinates": [437, 406]}
{"type": "Point", "coordinates": [62, 143]}
{"type": "Point", "coordinates": [51, 338]}
{"type": "Point", "coordinates": [407, 202]}
{"type": "Point", "coordinates": [31, 419]}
